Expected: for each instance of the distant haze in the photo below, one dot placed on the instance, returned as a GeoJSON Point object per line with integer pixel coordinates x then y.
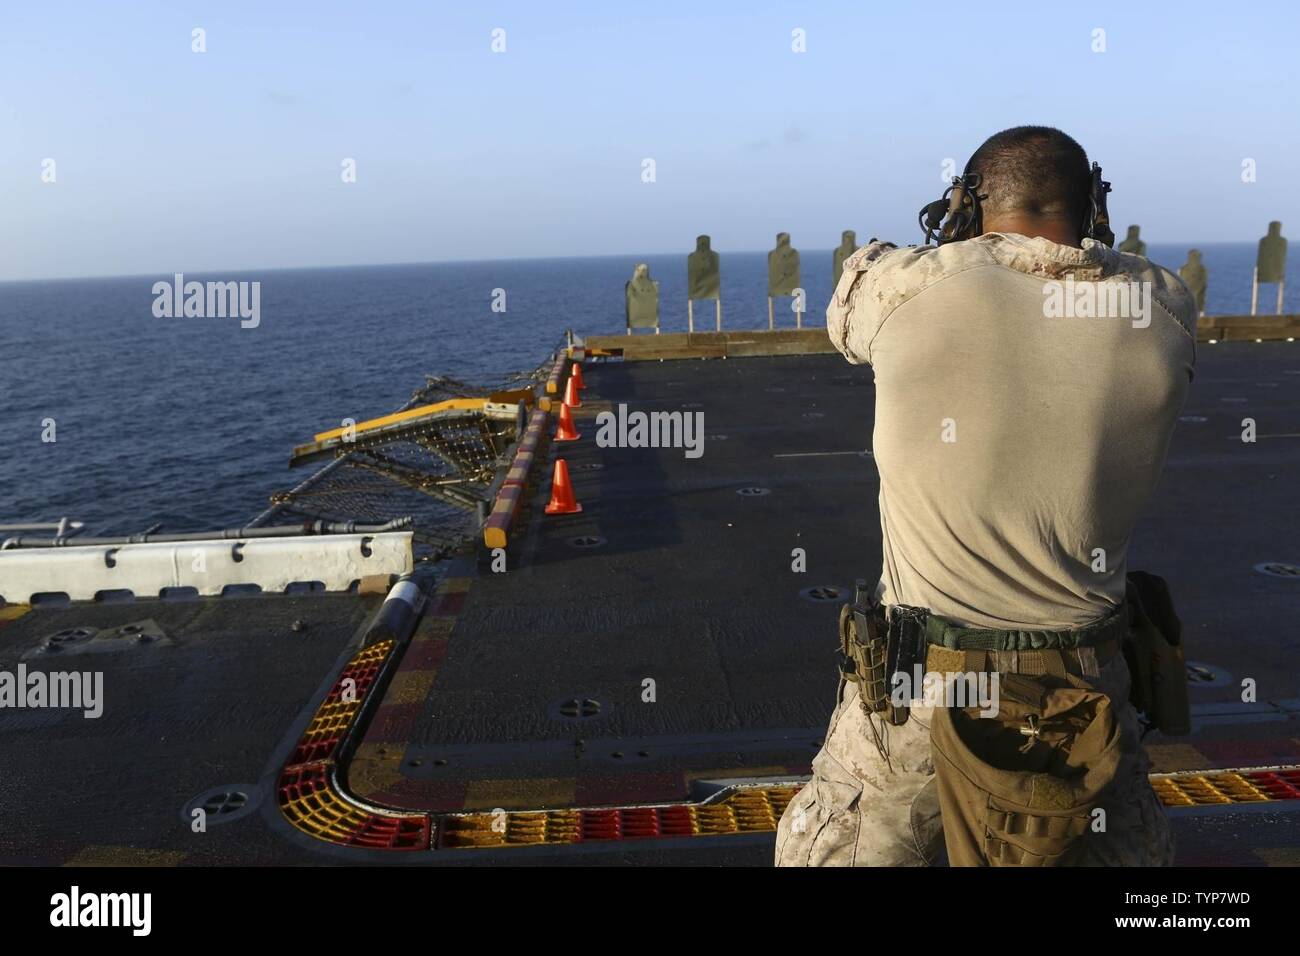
{"type": "Point", "coordinates": [167, 160]}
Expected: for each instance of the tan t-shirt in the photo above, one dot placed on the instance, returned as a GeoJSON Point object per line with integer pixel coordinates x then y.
{"type": "Point", "coordinates": [1018, 437]}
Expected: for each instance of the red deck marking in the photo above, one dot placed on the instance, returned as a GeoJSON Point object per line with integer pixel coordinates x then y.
{"type": "Point", "coordinates": [436, 796]}
{"type": "Point", "coordinates": [426, 655]}
{"type": "Point", "coordinates": [448, 605]}
{"type": "Point", "coordinates": [1250, 753]}
{"type": "Point", "coordinates": [393, 724]}
{"type": "Point", "coordinates": [633, 787]}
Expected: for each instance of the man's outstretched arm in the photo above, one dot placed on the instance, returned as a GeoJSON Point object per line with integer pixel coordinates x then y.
{"type": "Point", "coordinates": [853, 316]}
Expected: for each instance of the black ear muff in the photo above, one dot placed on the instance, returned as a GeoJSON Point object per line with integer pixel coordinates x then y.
{"type": "Point", "coordinates": [1097, 225]}
{"type": "Point", "coordinates": [956, 215]}
{"type": "Point", "coordinates": [932, 216]}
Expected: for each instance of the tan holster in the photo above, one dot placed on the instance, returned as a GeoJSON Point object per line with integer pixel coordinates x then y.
{"type": "Point", "coordinates": [1020, 788]}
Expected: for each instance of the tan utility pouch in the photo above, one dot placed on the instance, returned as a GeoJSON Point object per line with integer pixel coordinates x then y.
{"type": "Point", "coordinates": [1154, 651]}
{"type": "Point", "coordinates": [1018, 789]}
{"type": "Point", "coordinates": [863, 652]}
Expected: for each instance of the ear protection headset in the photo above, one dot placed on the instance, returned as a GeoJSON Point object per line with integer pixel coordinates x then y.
{"type": "Point", "coordinates": [956, 215]}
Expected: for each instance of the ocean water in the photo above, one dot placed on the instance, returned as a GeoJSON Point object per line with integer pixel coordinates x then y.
{"type": "Point", "coordinates": [189, 422]}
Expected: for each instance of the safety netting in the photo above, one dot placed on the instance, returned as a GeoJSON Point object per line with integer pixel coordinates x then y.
{"type": "Point", "coordinates": [437, 469]}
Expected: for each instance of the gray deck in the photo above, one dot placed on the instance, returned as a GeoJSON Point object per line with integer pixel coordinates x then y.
{"type": "Point", "coordinates": [218, 700]}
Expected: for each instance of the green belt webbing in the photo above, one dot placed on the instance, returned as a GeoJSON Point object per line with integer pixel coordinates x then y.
{"type": "Point", "coordinates": [946, 634]}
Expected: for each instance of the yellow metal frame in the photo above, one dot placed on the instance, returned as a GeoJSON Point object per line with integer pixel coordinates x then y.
{"type": "Point", "coordinates": [515, 396]}
{"type": "Point", "coordinates": [745, 810]}
{"type": "Point", "coordinates": [1208, 787]}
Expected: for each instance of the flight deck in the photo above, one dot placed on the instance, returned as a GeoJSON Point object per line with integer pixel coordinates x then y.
{"type": "Point", "coordinates": [645, 680]}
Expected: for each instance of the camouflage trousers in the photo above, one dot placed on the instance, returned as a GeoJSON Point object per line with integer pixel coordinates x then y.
{"type": "Point", "coordinates": [857, 811]}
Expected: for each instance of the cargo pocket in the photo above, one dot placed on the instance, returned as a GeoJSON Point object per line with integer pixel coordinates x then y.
{"type": "Point", "coordinates": [821, 825]}
{"type": "Point", "coordinates": [835, 838]}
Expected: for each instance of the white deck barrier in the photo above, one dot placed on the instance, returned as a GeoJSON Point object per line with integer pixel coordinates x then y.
{"type": "Point", "coordinates": [273, 564]}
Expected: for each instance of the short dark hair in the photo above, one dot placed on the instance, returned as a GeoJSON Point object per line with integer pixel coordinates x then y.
{"type": "Point", "coordinates": [1033, 170]}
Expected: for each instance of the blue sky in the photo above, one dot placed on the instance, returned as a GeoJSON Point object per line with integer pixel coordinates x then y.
{"type": "Point", "coordinates": [168, 160]}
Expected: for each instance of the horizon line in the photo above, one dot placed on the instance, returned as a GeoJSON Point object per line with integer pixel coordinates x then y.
{"type": "Point", "coordinates": [442, 262]}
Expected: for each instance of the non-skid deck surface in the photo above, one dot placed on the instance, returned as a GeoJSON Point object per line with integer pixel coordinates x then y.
{"type": "Point", "coordinates": [690, 585]}
{"type": "Point", "coordinates": [212, 701]}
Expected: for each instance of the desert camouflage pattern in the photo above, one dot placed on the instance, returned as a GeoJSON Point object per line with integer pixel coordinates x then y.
{"type": "Point", "coordinates": [859, 810]}
{"type": "Point", "coordinates": [871, 295]}
{"type": "Point", "coordinates": [995, 530]}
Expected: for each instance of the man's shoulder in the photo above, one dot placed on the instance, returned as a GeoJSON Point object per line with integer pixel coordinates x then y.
{"type": "Point", "coordinates": [890, 276]}
{"type": "Point", "coordinates": [914, 262]}
{"type": "Point", "coordinates": [879, 278]}
{"type": "Point", "coordinates": [1168, 290]}
{"type": "Point", "coordinates": [1043, 260]}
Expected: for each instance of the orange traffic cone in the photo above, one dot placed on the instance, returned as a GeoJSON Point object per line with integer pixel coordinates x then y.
{"type": "Point", "coordinates": [577, 375]}
{"type": "Point", "coordinates": [566, 430]}
{"type": "Point", "coordinates": [562, 500]}
{"type": "Point", "coordinates": [571, 394]}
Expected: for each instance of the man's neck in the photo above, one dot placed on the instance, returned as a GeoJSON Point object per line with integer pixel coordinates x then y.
{"type": "Point", "coordinates": [1054, 230]}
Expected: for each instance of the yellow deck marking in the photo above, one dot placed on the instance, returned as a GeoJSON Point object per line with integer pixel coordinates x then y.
{"type": "Point", "coordinates": [1279, 855]}
{"type": "Point", "coordinates": [124, 856]}
{"type": "Point", "coordinates": [371, 772]}
{"type": "Point", "coordinates": [433, 628]}
{"type": "Point", "coordinates": [12, 612]}
{"type": "Point", "coordinates": [514, 794]}
{"type": "Point", "coordinates": [409, 687]}
{"type": "Point", "coordinates": [1172, 758]}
